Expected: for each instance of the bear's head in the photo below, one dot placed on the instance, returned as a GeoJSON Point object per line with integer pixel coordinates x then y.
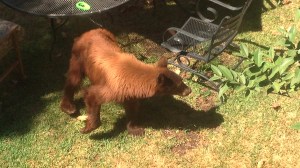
{"type": "Point", "coordinates": [168, 82]}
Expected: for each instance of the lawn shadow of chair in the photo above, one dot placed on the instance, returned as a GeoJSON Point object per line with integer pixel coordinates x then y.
{"type": "Point", "coordinates": [161, 113]}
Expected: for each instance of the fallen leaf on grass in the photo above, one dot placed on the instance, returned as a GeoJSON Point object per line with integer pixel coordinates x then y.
{"type": "Point", "coordinates": [276, 106]}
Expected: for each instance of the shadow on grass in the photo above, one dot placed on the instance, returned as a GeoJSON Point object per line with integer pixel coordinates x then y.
{"type": "Point", "coordinates": [245, 41]}
{"type": "Point", "coordinates": [30, 98]}
{"type": "Point", "coordinates": [167, 113]}
{"type": "Point", "coordinates": [24, 102]}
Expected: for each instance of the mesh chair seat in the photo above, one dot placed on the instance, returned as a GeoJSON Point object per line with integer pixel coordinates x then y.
{"type": "Point", "coordinates": [194, 36]}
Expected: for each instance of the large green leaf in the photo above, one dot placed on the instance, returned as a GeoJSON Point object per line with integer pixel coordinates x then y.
{"type": "Point", "coordinates": [285, 64]}
{"type": "Point", "coordinates": [257, 55]}
{"type": "Point", "coordinates": [281, 42]}
{"type": "Point", "coordinates": [242, 79]}
{"type": "Point", "coordinates": [278, 60]}
{"type": "Point", "coordinates": [292, 53]}
{"type": "Point", "coordinates": [277, 86]}
{"type": "Point", "coordinates": [267, 66]}
{"type": "Point", "coordinates": [271, 53]}
{"type": "Point", "coordinates": [281, 65]}
{"type": "Point", "coordinates": [234, 74]}
{"type": "Point", "coordinates": [297, 17]}
{"type": "Point", "coordinates": [216, 70]}
{"type": "Point", "coordinates": [251, 83]}
{"type": "Point", "coordinates": [260, 79]}
{"type": "Point", "coordinates": [258, 89]}
{"type": "Point", "coordinates": [215, 77]}
{"type": "Point", "coordinates": [288, 76]}
{"type": "Point", "coordinates": [226, 72]}
{"type": "Point", "coordinates": [222, 90]}
{"type": "Point", "coordinates": [244, 51]}
{"type": "Point", "coordinates": [274, 71]}
{"type": "Point", "coordinates": [241, 88]}
{"type": "Point", "coordinates": [296, 79]}
{"type": "Point", "coordinates": [248, 63]}
{"type": "Point", "coordinates": [276, 67]}
{"type": "Point", "coordinates": [292, 33]}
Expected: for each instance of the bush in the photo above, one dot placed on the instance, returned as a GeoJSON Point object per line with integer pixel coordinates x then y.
{"type": "Point", "coordinates": [276, 69]}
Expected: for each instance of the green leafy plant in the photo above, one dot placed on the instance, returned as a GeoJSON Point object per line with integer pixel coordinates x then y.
{"type": "Point", "coordinates": [278, 70]}
{"type": "Point", "coordinates": [296, 126]}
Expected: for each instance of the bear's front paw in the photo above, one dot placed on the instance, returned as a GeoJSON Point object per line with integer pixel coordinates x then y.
{"type": "Point", "coordinates": [89, 127]}
{"type": "Point", "coordinates": [67, 108]}
{"type": "Point", "coordinates": [134, 130]}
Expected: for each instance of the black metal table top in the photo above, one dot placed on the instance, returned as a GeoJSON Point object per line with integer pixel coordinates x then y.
{"type": "Point", "coordinates": [60, 8]}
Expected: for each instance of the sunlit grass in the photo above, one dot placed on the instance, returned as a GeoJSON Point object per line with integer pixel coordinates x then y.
{"type": "Point", "coordinates": [243, 132]}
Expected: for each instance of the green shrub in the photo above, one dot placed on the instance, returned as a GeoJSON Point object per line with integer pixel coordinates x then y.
{"type": "Point", "coordinates": [277, 70]}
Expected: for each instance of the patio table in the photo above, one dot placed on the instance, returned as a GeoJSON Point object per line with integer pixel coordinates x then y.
{"type": "Point", "coordinates": [62, 9]}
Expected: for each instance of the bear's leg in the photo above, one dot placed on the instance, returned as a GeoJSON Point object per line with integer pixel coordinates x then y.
{"type": "Point", "coordinates": [93, 100]}
{"type": "Point", "coordinates": [131, 110]}
{"type": "Point", "coordinates": [73, 81]}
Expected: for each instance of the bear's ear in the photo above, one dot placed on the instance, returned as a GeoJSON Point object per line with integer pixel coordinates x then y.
{"type": "Point", "coordinates": [162, 62]}
{"type": "Point", "coordinates": [163, 80]}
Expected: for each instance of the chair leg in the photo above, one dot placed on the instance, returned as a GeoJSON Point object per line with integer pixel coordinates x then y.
{"type": "Point", "coordinates": [234, 45]}
{"type": "Point", "coordinates": [238, 63]}
{"type": "Point", "coordinates": [155, 5]}
{"type": "Point", "coordinates": [8, 71]}
{"type": "Point", "coordinates": [190, 68]}
{"type": "Point", "coordinates": [54, 29]}
{"type": "Point", "coordinates": [18, 53]}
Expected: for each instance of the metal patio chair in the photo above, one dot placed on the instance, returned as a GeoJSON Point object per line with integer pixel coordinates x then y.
{"type": "Point", "coordinates": [201, 40]}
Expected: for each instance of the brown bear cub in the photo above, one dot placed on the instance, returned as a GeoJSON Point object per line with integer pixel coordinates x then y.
{"type": "Point", "coordinates": [115, 76]}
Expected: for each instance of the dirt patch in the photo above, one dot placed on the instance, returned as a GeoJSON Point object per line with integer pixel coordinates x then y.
{"type": "Point", "coordinates": [153, 49]}
{"type": "Point", "coordinates": [227, 59]}
{"type": "Point", "coordinates": [205, 103]}
{"type": "Point", "coordinates": [207, 100]}
{"type": "Point", "coordinates": [185, 140]}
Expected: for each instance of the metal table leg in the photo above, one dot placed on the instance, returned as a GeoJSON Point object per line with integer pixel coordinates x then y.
{"type": "Point", "coordinates": [54, 28]}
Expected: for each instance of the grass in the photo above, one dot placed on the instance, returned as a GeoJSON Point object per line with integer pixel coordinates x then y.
{"type": "Point", "coordinates": [253, 132]}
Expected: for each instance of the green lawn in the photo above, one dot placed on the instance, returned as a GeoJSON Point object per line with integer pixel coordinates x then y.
{"type": "Point", "coordinates": [180, 132]}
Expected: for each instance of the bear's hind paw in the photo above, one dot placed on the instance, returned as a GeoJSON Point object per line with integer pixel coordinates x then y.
{"type": "Point", "coordinates": [86, 130]}
{"type": "Point", "coordinates": [89, 128]}
{"type": "Point", "coordinates": [68, 108]}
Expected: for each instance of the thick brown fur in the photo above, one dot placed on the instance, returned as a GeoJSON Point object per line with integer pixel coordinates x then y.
{"type": "Point", "coordinates": [115, 76]}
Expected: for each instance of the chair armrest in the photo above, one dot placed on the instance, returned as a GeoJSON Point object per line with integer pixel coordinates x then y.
{"type": "Point", "coordinates": [225, 5]}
